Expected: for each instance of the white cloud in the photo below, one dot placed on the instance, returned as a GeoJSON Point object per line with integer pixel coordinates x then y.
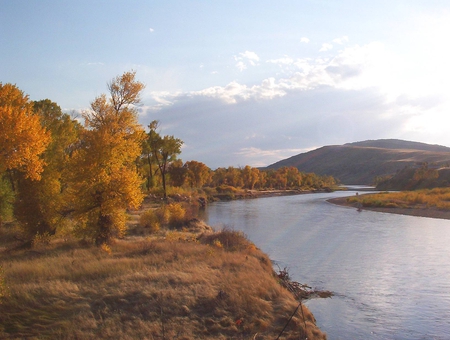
{"type": "Point", "coordinates": [304, 40]}
{"type": "Point", "coordinates": [282, 61]}
{"type": "Point", "coordinates": [251, 56]}
{"type": "Point", "coordinates": [246, 58]}
{"type": "Point", "coordinates": [151, 30]}
{"type": "Point", "coordinates": [259, 158]}
{"type": "Point", "coordinates": [241, 66]}
{"type": "Point", "coordinates": [341, 40]}
{"type": "Point", "coordinates": [325, 47]}
{"type": "Point", "coordinates": [358, 94]}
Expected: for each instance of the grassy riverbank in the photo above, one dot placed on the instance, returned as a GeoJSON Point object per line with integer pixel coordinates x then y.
{"type": "Point", "coordinates": [168, 285]}
{"type": "Point", "coordinates": [434, 203]}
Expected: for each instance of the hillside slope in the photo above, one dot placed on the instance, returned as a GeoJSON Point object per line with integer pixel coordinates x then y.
{"type": "Point", "coordinates": [361, 162]}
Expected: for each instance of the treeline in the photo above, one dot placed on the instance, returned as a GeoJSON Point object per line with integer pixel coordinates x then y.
{"type": "Point", "coordinates": [57, 174]}
{"type": "Point", "coordinates": [197, 175]}
{"type": "Point", "coordinates": [421, 176]}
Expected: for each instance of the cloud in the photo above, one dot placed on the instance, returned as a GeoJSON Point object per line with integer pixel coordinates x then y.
{"type": "Point", "coordinates": [246, 58]}
{"type": "Point", "coordinates": [258, 157]}
{"type": "Point", "coordinates": [282, 61]}
{"type": "Point", "coordinates": [325, 47]}
{"type": "Point", "coordinates": [151, 30]}
{"type": "Point", "coordinates": [304, 40]}
{"type": "Point", "coordinates": [341, 40]}
{"type": "Point", "coordinates": [241, 66]}
{"type": "Point", "coordinates": [251, 56]}
{"type": "Point", "coordinates": [351, 96]}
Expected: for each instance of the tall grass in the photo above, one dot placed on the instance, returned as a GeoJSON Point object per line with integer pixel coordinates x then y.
{"type": "Point", "coordinates": [438, 198]}
{"type": "Point", "coordinates": [148, 289]}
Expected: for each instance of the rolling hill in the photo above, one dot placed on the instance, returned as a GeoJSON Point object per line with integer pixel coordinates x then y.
{"type": "Point", "coordinates": [361, 162]}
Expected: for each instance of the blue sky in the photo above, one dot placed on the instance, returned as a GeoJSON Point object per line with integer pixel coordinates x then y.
{"type": "Point", "coordinates": [244, 82]}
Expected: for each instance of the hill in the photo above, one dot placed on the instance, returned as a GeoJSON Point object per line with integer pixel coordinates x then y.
{"type": "Point", "coordinates": [362, 162]}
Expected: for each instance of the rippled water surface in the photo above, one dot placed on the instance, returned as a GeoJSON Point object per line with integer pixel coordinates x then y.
{"type": "Point", "coordinates": [390, 273]}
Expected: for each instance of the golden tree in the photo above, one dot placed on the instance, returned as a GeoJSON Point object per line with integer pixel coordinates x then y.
{"type": "Point", "coordinates": [22, 141]}
{"type": "Point", "coordinates": [40, 207]}
{"type": "Point", "coordinates": [198, 174]}
{"type": "Point", "coordinates": [250, 177]}
{"type": "Point", "coordinates": [104, 178]}
{"type": "Point", "coordinates": [22, 138]}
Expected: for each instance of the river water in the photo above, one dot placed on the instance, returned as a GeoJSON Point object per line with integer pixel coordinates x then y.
{"type": "Point", "coordinates": [390, 273]}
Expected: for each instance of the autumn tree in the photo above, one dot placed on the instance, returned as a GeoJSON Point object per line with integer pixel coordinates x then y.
{"type": "Point", "coordinates": [22, 142]}
{"type": "Point", "coordinates": [164, 151]}
{"type": "Point", "coordinates": [148, 160]}
{"type": "Point", "coordinates": [177, 173]}
{"type": "Point", "coordinates": [40, 205]}
{"type": "Point", "coordinates": [218, 177]}
{"type": "Point", "coordinates": [22, 137]}
{"type": "Point", "coordinates": [104, 178]}
{"type": "Point", "coordinates": [198, 174]}
{"type": "Point", "coordinates": [250, 177]}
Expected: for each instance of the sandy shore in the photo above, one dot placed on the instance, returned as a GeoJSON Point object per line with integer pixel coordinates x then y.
{"type": "Point", "coordinates": [425, 212]}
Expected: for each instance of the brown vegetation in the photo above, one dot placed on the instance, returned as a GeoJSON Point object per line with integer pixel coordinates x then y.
{"type": "Point", "coordinates": [433, 203]}
{"type": "Point", "coordinates": [169, 285]}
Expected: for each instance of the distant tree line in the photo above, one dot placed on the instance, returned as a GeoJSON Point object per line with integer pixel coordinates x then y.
{"type": "Point", "coordinates": [56, 173]}
{"type": "Point", "coordinates": [421, 176]}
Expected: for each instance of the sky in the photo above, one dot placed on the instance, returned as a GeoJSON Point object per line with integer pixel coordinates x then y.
{"type": "Point", "coordinates": [243, 82]}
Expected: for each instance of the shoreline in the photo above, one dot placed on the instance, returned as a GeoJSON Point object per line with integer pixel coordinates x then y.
{"type": "Point", "coordinates": [252, 194]}
{"type": "Point", "coordinates": [418, 212]}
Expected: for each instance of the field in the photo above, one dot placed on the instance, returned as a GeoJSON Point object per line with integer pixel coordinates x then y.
{"type": "Point", "coordinates": [169, 285]}
{"type": "Point", "coordinates": [433, 203]}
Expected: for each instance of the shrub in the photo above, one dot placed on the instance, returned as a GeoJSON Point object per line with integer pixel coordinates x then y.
{"type": "Point", "coordinates": [228, 189]}
{"type": "Point", "coordinates": [43, 239]}
{"type": "Point", "coordinates": [176, 215]}
{"type": "Point", "coordinates": [231, 240]}
{"type": "Point", "coordinates": [150, 219]}
{"type": "Point", "coordinates": [172, 215]}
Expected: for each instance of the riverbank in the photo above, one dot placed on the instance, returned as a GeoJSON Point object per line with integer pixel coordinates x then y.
{"type": "Point", "coordinates": [172, 284]}
{"type": "Point", "coordinates": [422, 211]}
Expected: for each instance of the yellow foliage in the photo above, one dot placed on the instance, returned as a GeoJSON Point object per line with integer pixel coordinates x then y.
{"type": "Point", "coordinates": [176, 214]}
{"type": "Point", "coordinates": [22, 138]}
{"type": "Point", "coordinates": [104, 177]}
{"type": "Point", "coordinates": [149, 219]}
{"type": "Point", "coordinates": [106, 248]}
{"type": "Point", "coordinates": [217, 243]}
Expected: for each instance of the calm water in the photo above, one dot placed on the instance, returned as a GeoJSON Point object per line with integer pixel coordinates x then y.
{"type": "Point", "coordinates": [390, 273]}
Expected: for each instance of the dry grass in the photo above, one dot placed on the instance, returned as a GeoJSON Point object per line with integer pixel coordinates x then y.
{"type": "Point", "coordinates": [438, 198]}
{"type": "Point", "coordinates": [221, 287]}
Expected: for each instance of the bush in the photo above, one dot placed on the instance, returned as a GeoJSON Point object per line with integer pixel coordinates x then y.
{"type": "Point", "coordinates": [176, 214]}
{"type": "Point", "coordinates": [231, 240]}
{"type": "Point", "coordinates": [149, 219]}
{"type": "Point", "coordinates": [172, 215]}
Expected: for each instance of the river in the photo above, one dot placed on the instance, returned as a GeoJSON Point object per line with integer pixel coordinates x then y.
{"type": "Point", "coordinates": [390, 273]}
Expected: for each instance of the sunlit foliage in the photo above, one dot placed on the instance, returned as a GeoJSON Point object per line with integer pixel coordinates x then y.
{"type": "Point", "coordinates": [40, 206]}
{"type": "Point", "coordinates": [22, 137]}
{"type": "Point", "coordinates": [197, 173]}
{"type": "Point", "coordinates": [420, 199]}
{"type": "Point", "coordinates": [104, 179]}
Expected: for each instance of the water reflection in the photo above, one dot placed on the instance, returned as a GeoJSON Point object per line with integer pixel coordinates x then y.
{"type": "Point", "coordinates": [390, 273]}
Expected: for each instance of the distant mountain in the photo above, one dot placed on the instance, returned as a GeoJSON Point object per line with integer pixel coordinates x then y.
{"type": "Point", "coordinates": [361, 162]}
